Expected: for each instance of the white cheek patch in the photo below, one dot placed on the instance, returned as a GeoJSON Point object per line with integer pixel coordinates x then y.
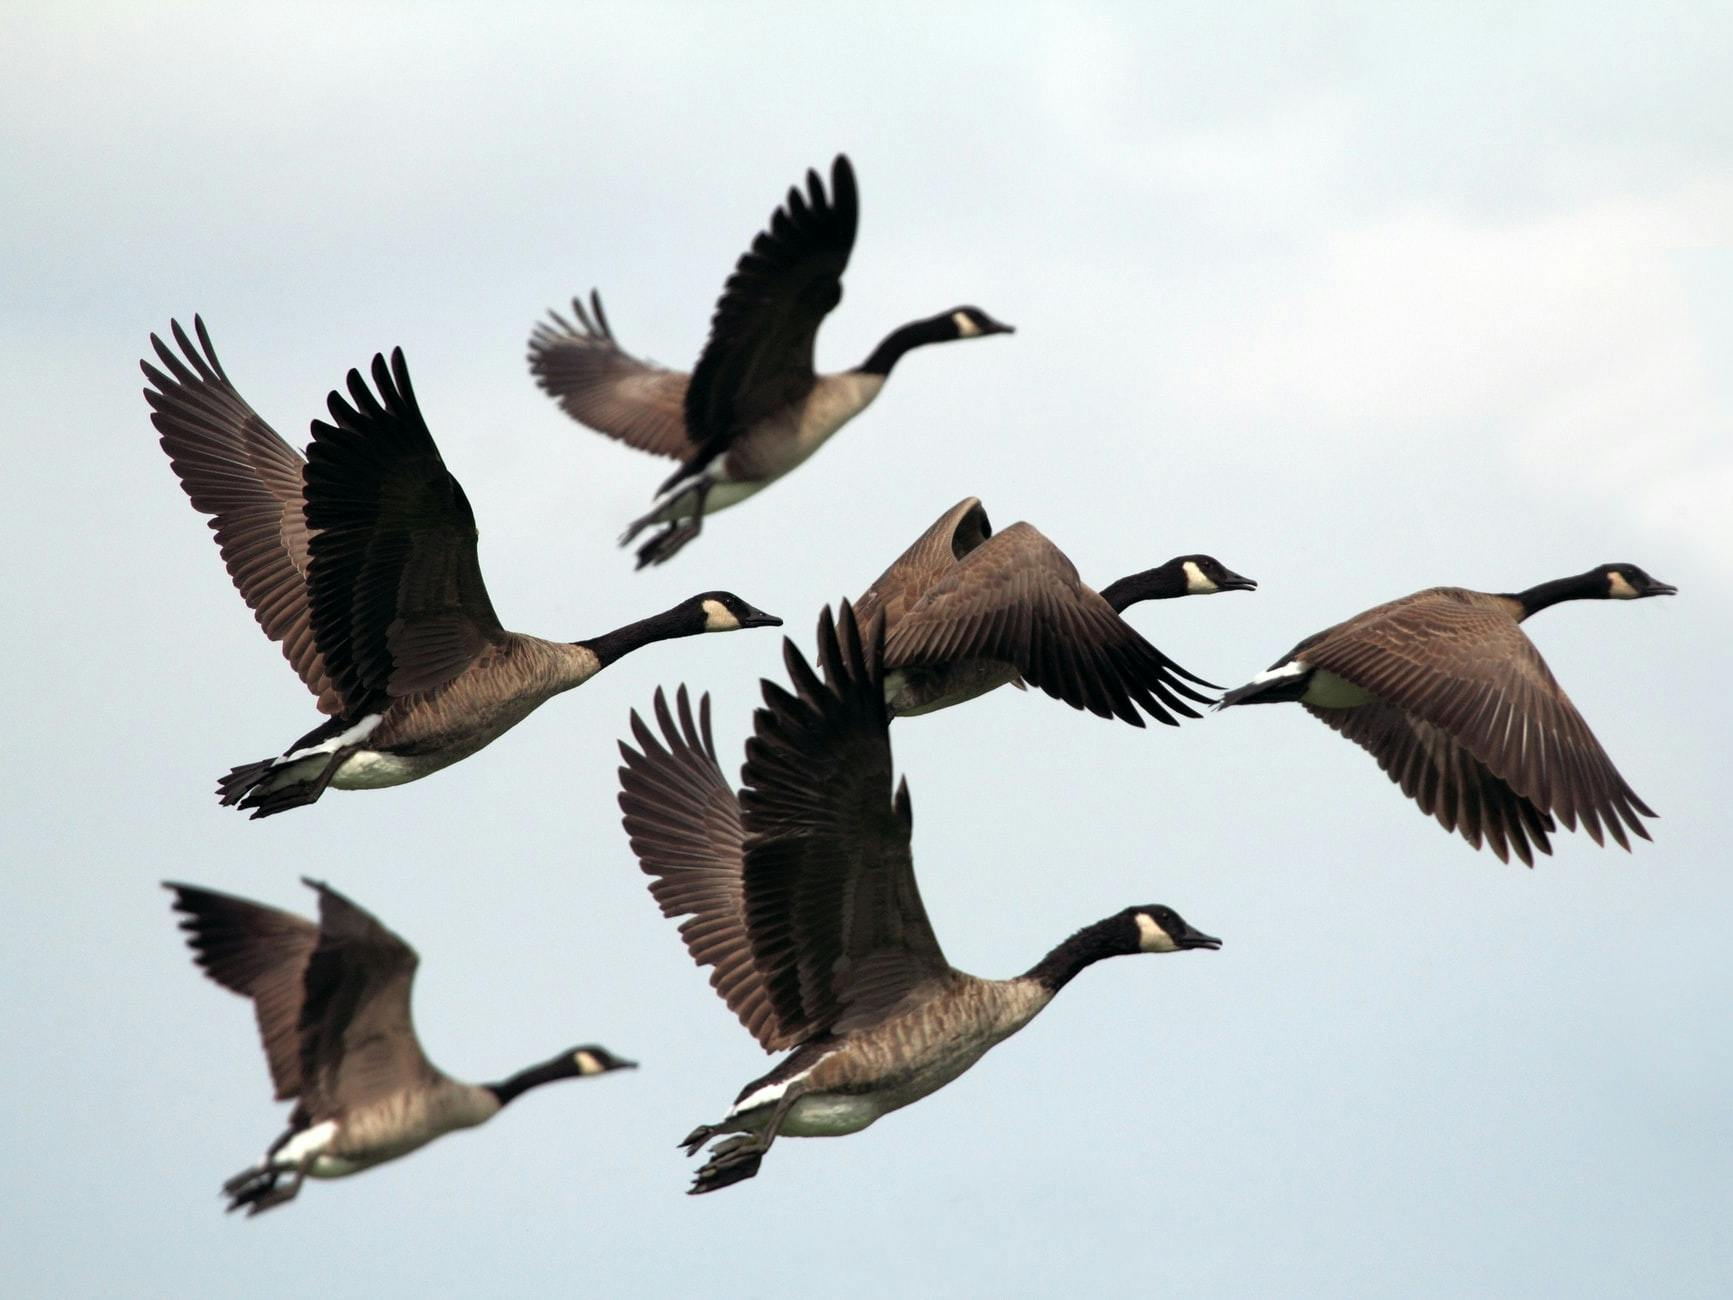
{"type": "Point", "coordinates": [1197, 582]}
{"type": "Point", "coordinates": [1151, 937]}
{"type": "Point", "coordinates": [719, 618]}
{"type": "Point", "coordinates": [1619, 587]}
{"type": "Point", "coordinates": [966, 328]}
{"type": "Point", "coordinates": [587, 1063]}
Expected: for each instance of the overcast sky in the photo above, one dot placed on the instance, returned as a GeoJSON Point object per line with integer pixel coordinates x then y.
{"type": "Point", "coordinates": [1358, 301]}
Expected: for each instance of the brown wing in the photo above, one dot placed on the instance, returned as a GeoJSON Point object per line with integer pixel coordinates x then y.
{"type": "Point", "coordinates": [1444, 779]}
{"type": "Point", "coordinates": [260, 953]}
{"type": "Point", "coordinates": [835, 917]}
{"type": "Point", "coordinates": [1017, 599]}
{"type": "Point", "coordinates": [601, 385]}
{"type": "Point", "coordinates": [758, 359]}
{"type": "Point", "coordinates": [399, 605]}
{"type": "Point", "coordinates": [239, 471]}
{"type": "Point", "coordinates": [358, 1042]}
{"type": "Point", "coordinates": [1457, 659]}
{"type": "Point", "coordinates": [929, 558]}
{"type": "Point", "coordinates": [684, 824]}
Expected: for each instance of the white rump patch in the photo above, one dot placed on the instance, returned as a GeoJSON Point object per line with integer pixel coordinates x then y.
{"type": "Point", "coordinates": [718, 617]}
{"type": "Point", "coordinates": [1619, 587]}
{"type": "Point", "coordinates": [305, 1143]}
{"type": "Point", "coordinates": [1197, 582]}
{"type": "Point", "coordinates": [768, 1093]}
{"type": "Point", "coordinates": [966, 328]}
{"type": "Point", "coordinates": [1293, 668]}
{"type": "Point", "coordinates": [1151, 937]}
{"type": "Point", "coordinates": [359, 732]}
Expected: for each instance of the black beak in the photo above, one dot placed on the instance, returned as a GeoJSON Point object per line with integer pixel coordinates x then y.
{"type": "Point", "coordinates": [998, 327]}
{"type": "Point", "coordinates": [625, 1065]}
{"type": "Point", "coordinates": [758, 618]}
{"type": "Point", "coordinates": [1660, 589]}
{"type": "Point", "coordinates": [1231, 581]}
{"type": "Point", "coordinates": [1198, 939]}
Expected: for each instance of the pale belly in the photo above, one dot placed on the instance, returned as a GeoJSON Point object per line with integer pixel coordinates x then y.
{"type": "Point", "coordinates": [911, 692]}
{"type": "Point", "coordinates": [773, 449]}
{"type": "Point", "coordinates": [1328, 691]}
{"type": "Point", "coordinates": [375, 769]}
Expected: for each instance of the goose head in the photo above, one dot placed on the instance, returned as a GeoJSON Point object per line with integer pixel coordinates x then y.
{"type": "Point", "coordinates": [723, 611]}
{"type": "Point", "coordinates": [1158, 928]}
{"type": "Point", "coordinates": [973, 323]}
{"type": "Point", "coordinates": [591, 1059]}
{"type": "Point", "coordinates": [1628, 582]}
{"type": "Point", "coordinates": [1205, 575]}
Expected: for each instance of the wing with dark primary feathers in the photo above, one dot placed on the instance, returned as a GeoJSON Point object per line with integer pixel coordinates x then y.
{"type": "Point", "coordinates": [832, 908]}
{"type": "Point", "coordinates": [683, 820]}
{"type": "Point", "coordinates": [260, 953]}
{"type": "Point", "coordinates": [1017, 599]}
{"type": "Point", "coordinates": [601, 385]}
{"type": "Point", "coordinates": [399, 605]}
{"type": "Point", "coordinates": [758, 359]}
{"type": "Point", "coordinates": [1444, 779]}
{"type": "Point", "coordinates": [238, 470]}
{"type": "Point", "coordinates": [1457, 660]}
{"type": "Point", "coordinates": [358, 1042]}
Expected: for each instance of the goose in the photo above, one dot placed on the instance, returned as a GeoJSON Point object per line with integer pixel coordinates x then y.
{"type": "Point", "coordinates": [332, 1002]}
{"type": "Point", "coordinates": [967, 610]}
{"type": "Point", "coordinates": [752, 409]}
{"type": "Point", "coordinates": [361, 560]}
{"type": "Point", "coordinates": [803, 899]}
{"type": "Point", "coordinates": [1447, 692]}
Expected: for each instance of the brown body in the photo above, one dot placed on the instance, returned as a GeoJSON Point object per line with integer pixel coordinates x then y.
{"type": "Point", "coordinates": [1447, 692]}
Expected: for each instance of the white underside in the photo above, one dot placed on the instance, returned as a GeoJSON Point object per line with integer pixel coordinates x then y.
{"type": "Point", "coordinates": [1328, 691]}
{"type": "Point", "coordinates": [833, 402]}
{"type": "Point", "coordinates": [829, 1115]}
{"type": "Point", "coordinates": [312, 1142]}
{"type": "Point", "coordinates": [371, 770]}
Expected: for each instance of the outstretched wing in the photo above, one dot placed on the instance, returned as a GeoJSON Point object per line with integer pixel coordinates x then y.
{"type": "Point", "coordinates": [358, 1042]}
{"type": "Point", "coordinates": [1017, 599]}
{"type": "Point", "coordinates": [260, 953]}
{"type": "Point", "coordinates": [953, 535]}
{"type": "Point", "coordinates": [240, 472]}
{"type": "Point", "coordinates": [758, 359]}
{"type": "Point", "coordinates": [398, 601]}
{"type": "Point", "coordinates": [683, 821]}
{"type": "Point", "coordinates": [601, 385]}
{"type": "Point", "coordinates": [1451, 659]}
{"type": "Point", "coordinates": [836, 921]}
{"type": "Point", "coordinates": [1444, 779]}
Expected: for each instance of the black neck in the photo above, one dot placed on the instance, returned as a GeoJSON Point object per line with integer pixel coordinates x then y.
{"type": "Point", "coordinates": [1152, 584]}
{"type": "Point", "coordinates": [1584, 586]}
{"type": "Point", "coordinates": [619, 643]}
{"type": "Point", "coordinates": [1106, 938]}
{"type": "Point", "coordinates": [936, 329]}
{"type": "Point", "coordinates": [561, 1067]}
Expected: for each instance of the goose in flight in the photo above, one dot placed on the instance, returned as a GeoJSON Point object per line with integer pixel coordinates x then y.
{"type": "Point", "coordinates": [1447, 692]}
{"type": "Point", "coordinates": [802, 898]}
{"type": "Point", "coordinates": [967, 610]}
{"type": "Point", "coordinates": [332, 1002]}
{"type": "Point", "coordinates": [360, 559]}
{"type": "Point", "coordinates": [752, 409]}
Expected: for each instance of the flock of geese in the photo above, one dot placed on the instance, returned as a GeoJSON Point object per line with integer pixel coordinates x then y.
{"type": "Point", "coordinates": [798, 890]}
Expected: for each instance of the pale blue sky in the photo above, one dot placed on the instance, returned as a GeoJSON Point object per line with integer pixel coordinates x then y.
{"type": "Point", "coordinates": [1357, 300]}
